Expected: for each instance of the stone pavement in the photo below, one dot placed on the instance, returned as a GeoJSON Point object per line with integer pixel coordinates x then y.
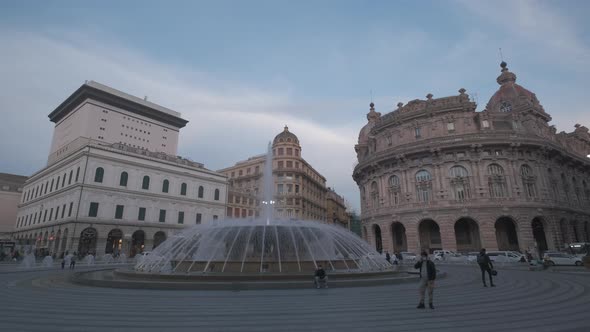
{"type": "Point", "coordinates": [523, 301]}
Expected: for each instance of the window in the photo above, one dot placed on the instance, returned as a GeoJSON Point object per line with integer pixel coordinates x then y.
{"type": "Point", "coordinates": [394, 190]}
{"type": "Point", "coordinates": [281, 151]}
{"type": "Point", "coordinates": [215, 217]}
{"type": "Point", "coordinates": [200, 192]}
{"type": "Point", "coordinates": [57, 183]}
{"type": "Point", "coordinates": [183, 189]}
{"type": "Point", "coordinates": [70, 209]}
{"type": "Point", "coordinates": [216, 195]}
{"type": "Point", "coordinates": [145, 184]}
{"type": "Point", "coordinates": [450, 126]}
{"type": "Point", "coordinates": [46, 187]}
{"type": "Point", "coordinates": [459, 183]}
{"type": "Point", "coordinates": [165, 186]}
{"type": "Point", "coordinates": [70, 178]}
{"type": "Point", "coordinates": [423, 186]}
{"type": "Point", "coordinates": [180, 217]}
{"type": "Point", "coordinates": [375, 194]}
{"type": "Point", "coordinates": [289, 164]}
{"type": "Point", "coordinates": [63, 180]}
{"type": "Point", "coordinates": [198, 219]}
{"type": "Point", "coordinates": [418, 132]}
{"type": "Point", "coordinates": [496, 181]}
{"type": "Point", "coordinates": [45, 216]}
{"type": "Point", "coordinates": [50, 214]}
{"type": "Point", "coordinates": [289, 151]}
{"type": "Point", "coordinates": [257, 169]}
{"type": "Point", "coordinates": [123, 179]}
{"type": "Point", "coordinates": [505, 107]}
{"type": "Point", "coordinates": [77, 173]}
{"type": "Point", "coordinates": [57, 212]}
{"type": "Point", "coordinates": [119, 212]}
{"type": "Point", "coordinates": [162, 217]}
{"type": "Point", "coordinates": [141, 214]}
{"type": "Point", "coordinates": [280, 188]}
{"type": "Point", "coordinates": [51, 188]}
{"type": "Point", "coordinates": [93, 212]}
{"type": "Point", "coordinates": [528, 181]}
{"type": "Point", "coordinates": [485, 124]}
{"type": "Point", "coordinates": [98, 175]}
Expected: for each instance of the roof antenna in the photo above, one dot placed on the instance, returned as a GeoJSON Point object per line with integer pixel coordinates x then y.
{"type": "Point", "coordinates": [371, 92]}
{"type": "Point", "coordinates": [501, 57]}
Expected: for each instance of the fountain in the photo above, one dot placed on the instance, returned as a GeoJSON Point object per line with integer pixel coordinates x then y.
{"type": "Point", "coordinates": [28, 261]}
{"type": "Point", "coordinates": [242, 253]}
{"type": "Point", "coordinates": [47, 261]}
{"type": "Point", "coordinates": [89, 259]}
{"type": "Point", "coordinates": [264, 245]}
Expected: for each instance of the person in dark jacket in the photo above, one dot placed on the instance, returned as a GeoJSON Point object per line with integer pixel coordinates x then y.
{"type": "Point", "coordinates": [485, 265]}
{"type": "Point", "coordinates": [320, 277]}
{"type": "Point", "coordinates": [427, 277]}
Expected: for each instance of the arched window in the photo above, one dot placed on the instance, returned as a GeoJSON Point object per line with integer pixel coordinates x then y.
{"type": "Point", "coordinates": [145, 184]}
{"type": "Point", "coordinates": [460, 183]}
{"type": "Point", "coordinates": [496, 181]}
{"type": "Point", "coordinates": [529, 181]}
{"type": "Point", "coordinates": [183, 189]}
{"type": "Point", "coordinates": [216, 196]}
{"type": "Point", "coordinates": [123, 179]}
{"type": "Point", "coordinates": [424, 186]}
{"type": "Point", "coordinates": [165, 186]}
{"type": "Point", "coordinates": [98, 174]}
{"type": "Point", "coordinates": [70, 177]}
{"type": "Point", "coordinates": [394, 190]}
{"type": "Point", "coordinates": [375, 195]}
{"type": "Point", "coordinates": [363, 196]}
{"type": "Point", "coordinates": [63, 180]}
{"type": "Point", "coordinates": [201, 191]}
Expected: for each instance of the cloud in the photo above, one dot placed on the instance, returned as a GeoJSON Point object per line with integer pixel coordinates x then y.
{"type": "Point", "coordinates": [228, 121]}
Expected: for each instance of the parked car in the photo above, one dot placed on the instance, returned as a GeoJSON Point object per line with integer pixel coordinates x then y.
{"type": "Point", "coordinates": [505, 256]}
{"type": "Point", "coordinates": [472, 256]}
{"type": "Point", "coordinates": [449, 257]}
{"type": "Point", "coordinates": [560, 258]}
{"type": "Point", "coordinates": [408, 256]}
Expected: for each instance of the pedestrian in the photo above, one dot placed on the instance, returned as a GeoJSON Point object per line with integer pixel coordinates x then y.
{"type": "Point", "coordinates": [485, 265]}
{"type": "Point", "coordinates": [73, 261]}
{"type": "Point", "coordinates": [320, 277]}
{"type": "Point", "coordinates": [388, 257]}
{"type": "Point", "coordinates": [427, 277]}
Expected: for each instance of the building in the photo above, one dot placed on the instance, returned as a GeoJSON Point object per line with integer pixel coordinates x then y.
{"type": "Point", "coordinates": [11, 187]}
{"type": "Point", "coordinates": [336, 209]}
{"type": "Point", "coordinates": [299, 190]}
{"type": "Point", "coordinates": [355, 223]}
{"type": "Point", "coordinates": [113, 182]}
{"type": "Point", "coordinates": [436, 174]}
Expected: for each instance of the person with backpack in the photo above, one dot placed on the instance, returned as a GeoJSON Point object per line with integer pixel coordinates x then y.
{"type": "Point", "coordinates": [485, 265]}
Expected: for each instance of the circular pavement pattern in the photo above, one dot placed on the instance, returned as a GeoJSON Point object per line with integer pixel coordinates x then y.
{"type": "Point", "coordinates": [522, 301]}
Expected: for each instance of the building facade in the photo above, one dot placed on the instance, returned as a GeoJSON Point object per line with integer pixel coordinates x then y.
{"type": "Point", "coordinates": [436, 174]}
{"type": "Point", "coordinates": [11, 188]}
{"type": "Point", "coordinates": [299, 190]}
{"type": "Point", "coordinates": [110, 193]}
{"type": "Point", "coordinates": [336, 209]}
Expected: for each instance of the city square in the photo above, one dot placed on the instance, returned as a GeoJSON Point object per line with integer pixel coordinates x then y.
{"type": "Point", "coordinates": [295, 166]}
{"type": "Point", "coordinates": [523, 300]}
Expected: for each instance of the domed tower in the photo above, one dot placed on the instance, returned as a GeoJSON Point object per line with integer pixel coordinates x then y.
{"type": "Point", "coordinates": [366, 142]}
{"type": "Point", "coordinates": [513, 102]}
{"type": "Point", "coordinates": [300, 191]}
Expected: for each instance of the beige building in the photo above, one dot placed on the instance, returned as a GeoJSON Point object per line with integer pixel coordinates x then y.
{"type": "Point", "coordinates": [336, 209]}
{"type": "Point", "coordinates": [436, 174]}
{"type": "Point", "coordinates": [11, 187]}
{"type": "Point", "coordinates": [299, 190]}
{"type": "Point", "coordinates": [113, 193]}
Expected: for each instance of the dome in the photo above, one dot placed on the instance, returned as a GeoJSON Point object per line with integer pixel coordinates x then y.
{"type": "Point", "coordinates": [285, 137]}
{"type": "Point", "coordinates": [510, 95]}
{"type": "Point", "coordinates": [257, 246]}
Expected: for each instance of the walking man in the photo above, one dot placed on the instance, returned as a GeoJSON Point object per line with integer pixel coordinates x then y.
{"type": "Point", "coordinates": [485, 265]}
{"type": "Point", "coordinates": [427, 277]}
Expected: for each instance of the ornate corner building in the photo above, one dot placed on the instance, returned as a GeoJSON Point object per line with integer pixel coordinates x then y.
{"type": "Point", "coordinates": [299, 190]}
{"type": "Point", "coordinates": [436, 174]}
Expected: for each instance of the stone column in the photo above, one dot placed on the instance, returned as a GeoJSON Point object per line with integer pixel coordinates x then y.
{"type": "Point", "coordinates": [488, 234]}
{"type": "Point", "coordinates": [447, 234]}
{"type": "Point", "coordinates": [526, 240]}
{"type": "Point", "coordinates": [412, 236]}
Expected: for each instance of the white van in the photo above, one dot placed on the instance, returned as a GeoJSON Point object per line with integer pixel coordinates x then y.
{"type": "Point", "coordinates": [505, 256]}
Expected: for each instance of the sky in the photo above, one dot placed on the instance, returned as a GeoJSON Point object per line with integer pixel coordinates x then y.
{"type": "Point", "coordinates": [239, 71]}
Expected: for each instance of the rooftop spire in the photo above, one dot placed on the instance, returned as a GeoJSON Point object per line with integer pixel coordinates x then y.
{"type": "Point", "coordinates": [506, 76]}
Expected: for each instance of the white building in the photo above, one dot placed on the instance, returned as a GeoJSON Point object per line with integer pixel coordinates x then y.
{"type": "Point", "coordinates": [113, 182]}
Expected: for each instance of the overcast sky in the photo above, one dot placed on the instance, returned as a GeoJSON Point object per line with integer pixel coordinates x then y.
{"type": "Point", "coordinates": [240, 70]}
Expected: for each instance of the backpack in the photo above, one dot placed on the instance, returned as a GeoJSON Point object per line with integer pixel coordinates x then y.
{"type": "Point", "coordinates": [481, 259]}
